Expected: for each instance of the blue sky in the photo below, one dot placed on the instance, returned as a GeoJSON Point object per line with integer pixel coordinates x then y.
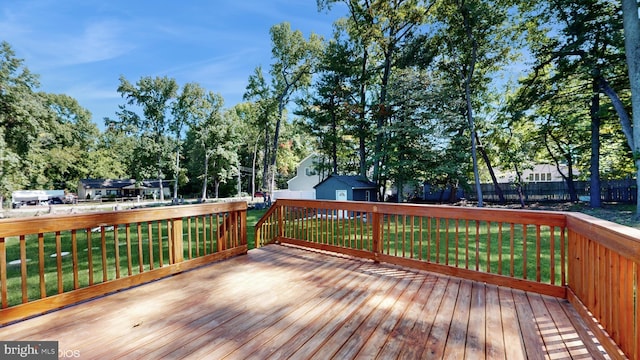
{"type": "Point", "coordinates": [82, 47]}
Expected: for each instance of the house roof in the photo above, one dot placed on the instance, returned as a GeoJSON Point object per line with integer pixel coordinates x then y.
{"type": "Point", "coordinates": [352, 181]}
{"type": "Point", "coordinates": [120, 183]}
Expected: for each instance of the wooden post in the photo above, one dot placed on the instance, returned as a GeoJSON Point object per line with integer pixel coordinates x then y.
{"type": "Point", "coordinates": [176, 239]}
{"type": "Point", "coordinates": [280, 211]}
{"type": "Point", "coordinates": [243, 228]}
{"type": "Point", "coordinates": [377, 234]}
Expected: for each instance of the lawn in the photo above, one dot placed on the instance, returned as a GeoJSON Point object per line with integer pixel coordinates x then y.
{"type": "Point", "coordinates": [116, 253]}
{"type": "Point", "coordinates": [486, 246]}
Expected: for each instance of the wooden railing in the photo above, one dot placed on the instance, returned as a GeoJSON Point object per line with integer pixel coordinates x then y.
{"type": "Point", "coordinates": [49, 262]}
{"type": "Point", "coordinates": [591, 262]}
{"type": "Point", "coordinates": [604, 278]}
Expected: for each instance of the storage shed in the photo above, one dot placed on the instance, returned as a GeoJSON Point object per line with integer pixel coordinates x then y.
{"type": "Point", "coordinates": [346, 187]}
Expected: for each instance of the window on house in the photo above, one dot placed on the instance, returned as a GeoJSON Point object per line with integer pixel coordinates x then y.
{"type": "Point", "coordinates": [548, 176]}
{"type": "Point", "coordinates": [537, 177]}
{"type": "Point", "coordinates": [310, 171]}
{"type": "Point", "coordinates": [530, 177]}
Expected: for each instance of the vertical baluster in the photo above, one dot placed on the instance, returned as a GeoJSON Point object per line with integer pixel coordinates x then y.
{"type": "Point", "coordinates": [150, 237]}
{"type": "Point", "coordinates": [420, 257]}
{"type": "Point", "coordinates": [457, 242]}
{"type": "Point", "coordinates": [500, 248]}
{"type": "Point", "coordinates": [140, 256]}
{"type": "Point", "coordinates": [160, 244]}
{"type": "Point", "coordinates": [524, 251]}
{"type": "Point", "coordinates": [477, 245]}
{"type": "Point", "coordinates": [552, 254]}
{"type": "Point", "coordinates": [538, 254]}
{"type": "Point", "coordinates": [512, 261]}
{"type": "Point", "coordinates": [89, 256]}
{"type": "Point", "coordinates": [116, 245]}
{"type": "Point", "coordinates": [103, 248]}
{"type": "Point", "coordinates": [4, 302]}
{"type": "Point", "coordinates": [488, 246]}
{"type": "Point", "coordinates": [446, 242]}
{"type": "Point", "coordinates": [23, 268]}
{"type": "Point", "coordinates": [212, 231]}
{"type": "Point", "coordinates": [466, 244]}
{"type": "Point", "coordinates": [412, 220]}
{"type": "Point", "coordinates": [189, 250]}
{"type": "Point", "coordinates": [127, 228]}
{"type": "Point", "coordinates": [41, 270]}
{"type": "Point", "coordinates": [437, 240]}
{"type": "Point", "coordinates": [74, 259]}
{"type": "Point", "coordinates": [198, 237]}
{"type": "Point", "coordinates": [59, 262]}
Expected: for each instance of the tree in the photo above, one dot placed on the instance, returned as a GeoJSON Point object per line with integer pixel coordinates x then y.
{"type": "Point", "coordinates": [328, 109]}
{"type": "Point", "coordinates": [380, 29]}
{"type": "Point", "coordinates": [259, 92]}
{"type": "Point", "coordinates": [476, 39]}
{"type": "Point", "coordinates": [248, 115]}
{"type": "Point", "coordinates": [20, 111]}
{"type": "Point", "coordinates": [412, 129]}
{"type": "Point", "coordinates": [155, 97]}
{"type": "Point", "coordinates": [632, 51]}
{"type": "Point", "coordinates": [184, 112]}
{"type": "Point", "coordinates": [295, 59]}
{"type": "Point", "coordinates": [213, 142]}
{"type": "Point", "coordinates": [587, 46]}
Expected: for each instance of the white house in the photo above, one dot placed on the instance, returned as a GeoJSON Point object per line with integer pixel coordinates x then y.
{"type": "Point", "coordinates": [302, 185]}
{"type": "Point", "coordinates": [98, 188]}
{"type": "Point", "coordinates": [539, 173]}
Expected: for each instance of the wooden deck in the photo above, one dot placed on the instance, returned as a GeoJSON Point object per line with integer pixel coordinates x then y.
{"type": "Point", "coordinates": [282, 302]}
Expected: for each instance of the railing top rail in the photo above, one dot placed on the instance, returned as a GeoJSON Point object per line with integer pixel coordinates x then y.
{"type": "Point", "coordinates": [533, 217]}
{"type": "Point", "coordinates": [622, 239]}
{"type": "Point", "coordinates": [269, 212]}
{"type": "Point", "coordinates": [51, 223]}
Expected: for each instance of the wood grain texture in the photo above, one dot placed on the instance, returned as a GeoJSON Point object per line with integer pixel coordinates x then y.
{"type": "Point", "coordinates": [287, 302]}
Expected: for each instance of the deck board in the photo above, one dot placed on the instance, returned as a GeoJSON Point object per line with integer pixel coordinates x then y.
{"type": "Point", "coordinates": [285, 302]}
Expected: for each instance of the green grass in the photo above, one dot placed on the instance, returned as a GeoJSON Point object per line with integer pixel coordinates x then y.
{"type": "Point", "coordinates": [102, 270]}
{"type": "Point", "coordinates": [473, 245]}
{"type": "Point", "coordinates": [437, 242]}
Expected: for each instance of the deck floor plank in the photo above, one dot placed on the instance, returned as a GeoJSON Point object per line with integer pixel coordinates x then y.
{"type": "Point", "coordinates": [494, 332]}
{"type": "Point", "coordinates": [286, 302]}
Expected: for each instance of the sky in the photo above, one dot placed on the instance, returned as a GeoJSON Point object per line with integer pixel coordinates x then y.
{"type": "Point", "coordinates": [81, 47]}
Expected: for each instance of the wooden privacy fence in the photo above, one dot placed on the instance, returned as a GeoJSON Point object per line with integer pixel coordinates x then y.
{"type": "Point", "coordinates": [51, 261]}
{"type": "Point", "coordinates": [591, 262]}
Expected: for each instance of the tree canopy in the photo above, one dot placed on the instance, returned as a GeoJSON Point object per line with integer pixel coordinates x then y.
{"type": "Point", "coordinates": [405, 92]}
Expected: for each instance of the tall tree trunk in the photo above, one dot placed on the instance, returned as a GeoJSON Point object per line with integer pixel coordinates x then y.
{"type": "Point", "coordinates": [594, 182]}
{"type": "Point", "coordinates": [334, 143]}
{"type": "Point", "coordinates": [175, 186]}
{"type": "Point", "coordinates": [274, 147]}
{"type": "Point", "coordinates": [494, 179]}
{"type": "Point", "coordinates": [206, 175]}
{"type": "Point", "coordinates": [160, 177]}
{"type": "Point", "coordinates": [519, 186]}
{"type": "Point", "coordinates": [265, 160]}
{"type": "Point", "coordinates": [362, 121]}
{"type": "Point", "coordinates": [467, 94]}
{"type": "Point", "coordinates": [632, 50]}
{"type": "Point", "coordinates": [239, 179]}
{"type": "Point", "coordinates": [253, 169]}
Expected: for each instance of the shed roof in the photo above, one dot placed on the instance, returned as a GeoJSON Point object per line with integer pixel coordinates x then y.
{"type": "Point", "coordinates": [352, 181]}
